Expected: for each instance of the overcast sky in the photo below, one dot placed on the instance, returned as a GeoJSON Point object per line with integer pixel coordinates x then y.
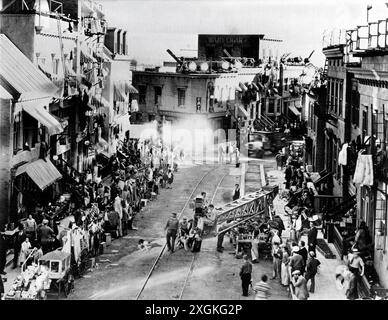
{"type": "Point", "coordinates": [155, 25]}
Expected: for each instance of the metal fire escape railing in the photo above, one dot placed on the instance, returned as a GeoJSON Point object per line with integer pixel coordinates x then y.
{"type": "Point", "coordinates": [247, 207]}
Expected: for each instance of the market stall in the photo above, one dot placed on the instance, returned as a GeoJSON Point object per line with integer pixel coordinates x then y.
{"type": "Point", "coordinates": [31, 284]}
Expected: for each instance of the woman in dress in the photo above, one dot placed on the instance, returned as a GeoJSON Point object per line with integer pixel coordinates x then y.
{"type": "Point", "coordinates": [285, 275]}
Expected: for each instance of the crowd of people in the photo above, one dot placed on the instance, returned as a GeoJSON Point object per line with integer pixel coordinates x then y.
{"type": "Point", "coordinates": [187, 233]}
{"type": "Point", "coordinates": [138, 171]}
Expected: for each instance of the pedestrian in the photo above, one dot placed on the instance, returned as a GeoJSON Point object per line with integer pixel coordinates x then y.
{"type": "Point", "coordinates": [300, 285]}
{"type": "Point", "coordinates": [170, 179]}
{"type": "Point", "coordinates": [245, 275]}
{"type": "Point", "coordinates": [303, 251]}
{"type": "Point", "coordinates": [236, 193]}
{"type": "Point", "coordinates": [19, 239]}
{"type": "Point", "coordinates": [24, 251]}
{"type": "Point", "coordinates": [312, 237]}
{"type": "Point", "coordinates": [119, 209]}
{"type": "Point", "coordinates": [3, 254]}
{"type": "Point", "coordinates": [296, 260]}
{"type": "Point", "coordinates": [172, 230]}
{"type": "Point", "coordinates": [46, 236]}
{"type": "Point", "coordinates": [356, 265]}
{"type": "Point", "coordinates": [221, 234]}
{"type": "Point", "coordinates": [284, 273]}
{"type": "Point", "coordinates": [262, 289]}
{"type": "Point", "coordinates": [277, 258]}
{"type": "Point", "coordinates": [312, 269]}
{"type": "Point", "coordinates": [31, 229]}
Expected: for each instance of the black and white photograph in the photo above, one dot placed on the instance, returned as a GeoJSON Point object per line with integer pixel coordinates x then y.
{"type": "Point", "coordinates": [196, 151]}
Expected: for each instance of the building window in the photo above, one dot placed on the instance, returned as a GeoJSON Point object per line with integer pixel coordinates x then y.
{"type": "Point", "coordinates": [271, 106]}
{"type": "Point", "coordinates": [181, 97]}
{"type": "Point", "coordinates": [336, 94]}
{"type": "Point", "coordinates": [158, 95]}
{"type": "Point", "coordinates": [341, 91]}
{"type": "Point", "coordinates": [142, 94]}
{"type": "Point", "coordinates": [278, 106]}
{"type": "Point", "coordinates": [365, 121]}
{"type": "Point", "coordinates": [331, 94]}
{"type": "Point", "coordinates": [381, 219]}
{"type": "Point", "coordinates": [355, 103]}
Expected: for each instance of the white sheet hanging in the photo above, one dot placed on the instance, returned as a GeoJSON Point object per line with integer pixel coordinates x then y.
{"type": "Point", "coordinates": [342, 156]}
{"type": "Point", "coordinates": [364, 170]}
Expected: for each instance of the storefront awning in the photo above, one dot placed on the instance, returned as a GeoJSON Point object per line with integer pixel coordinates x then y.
{"type": "Point", "coordinates": [129, 88]}
{"type": "Point", "coordinates": [42, 172]}
{"type": "Point", "coordinates": [36, 109]}
{"type": "Point", "coordinates": [294, 110]}
{"type": "Point", "coordinates": [19, 76]}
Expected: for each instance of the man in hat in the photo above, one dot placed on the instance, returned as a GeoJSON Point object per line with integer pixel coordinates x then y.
{"type": "Point", "coordinates": [300, 285]}
{"type": "Point", "coordinates": [312, 269]}
{"type": "Point", "coordinates": [46, 234]}
{"type": "Point", "coordinates": [356, 264]}
{"type": "Point", "coordinates": [172, 230]}
{"type": "Point", "coordinates": [245, 275]}
{"type": "Point", "coordinates": [312, 237]}
{"type": "Point", "coordinates": [296, 260]}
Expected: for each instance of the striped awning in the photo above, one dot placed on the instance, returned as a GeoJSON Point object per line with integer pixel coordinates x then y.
{"type": "Point", "coordinates": [42, 172]}
{"type": "Point", "coordinates": [19, 76]}
{"type": "Point", "coordinates": [37, 110]}
{"type": "Point", "coordinates": [129, 88]}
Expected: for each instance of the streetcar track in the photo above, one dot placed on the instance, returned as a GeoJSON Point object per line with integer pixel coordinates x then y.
{"type": "Point", "coordinates": [191, 268]}
{"type": "Point", "coordinates": [164, 247]}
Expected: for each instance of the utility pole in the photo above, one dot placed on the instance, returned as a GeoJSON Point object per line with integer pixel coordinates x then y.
{"type": "Point", "coordinates": [367, 12]}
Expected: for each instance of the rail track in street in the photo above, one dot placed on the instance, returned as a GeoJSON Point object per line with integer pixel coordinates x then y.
{"type": "Point", "coordinates": [180, 265]}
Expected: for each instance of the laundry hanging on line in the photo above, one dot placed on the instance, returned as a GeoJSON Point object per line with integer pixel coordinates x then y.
{"type": "Point", "coordinates": [343, 155]}
{"type": "Point", "coordinates": [364, 170]}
